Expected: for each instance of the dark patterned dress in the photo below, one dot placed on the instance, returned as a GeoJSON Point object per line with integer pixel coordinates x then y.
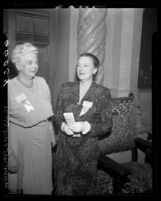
{"type": "Point", "coordinates": [76, 157]}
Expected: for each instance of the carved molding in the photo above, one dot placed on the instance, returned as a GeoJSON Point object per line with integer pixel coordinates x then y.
{"type": "Point", "coordinates": [91, 35]}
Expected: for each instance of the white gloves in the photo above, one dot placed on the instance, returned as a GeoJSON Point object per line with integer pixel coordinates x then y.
{"type": "Point", "coordinates": [77, 127]}
{"type": "Point", "coordinates": [86, 127]}
{"type": "Point", "coordinates": [65, 128]}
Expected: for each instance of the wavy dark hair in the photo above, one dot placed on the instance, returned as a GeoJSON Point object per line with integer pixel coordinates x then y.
{"type": "Point", "coordinates": [96, 62]}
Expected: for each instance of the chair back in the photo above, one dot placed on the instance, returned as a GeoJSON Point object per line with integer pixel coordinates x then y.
{"type": "Point", "coordinates": [123, 132]}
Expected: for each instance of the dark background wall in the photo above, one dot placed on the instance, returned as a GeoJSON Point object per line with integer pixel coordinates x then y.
{"type": "Point", "coordinates": [145, 66]}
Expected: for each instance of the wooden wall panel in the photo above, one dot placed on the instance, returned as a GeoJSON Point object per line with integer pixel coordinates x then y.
{"type": "Point", "coordinates": [32, 24]}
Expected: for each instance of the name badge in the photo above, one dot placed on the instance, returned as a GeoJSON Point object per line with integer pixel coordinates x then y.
{"type": "Point", "coordinates": [22, 98]}
{"type": "Point", "coordinates": [28, 106]}
{"type": "Point", "coordinates": [86, 105]}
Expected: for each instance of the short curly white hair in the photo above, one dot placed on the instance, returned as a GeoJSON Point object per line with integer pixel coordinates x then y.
{"type": "Point", "coordinates": [21, 50]}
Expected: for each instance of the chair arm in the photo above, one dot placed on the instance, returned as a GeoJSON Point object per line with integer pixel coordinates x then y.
{"type": "Point", "coordinates": [143, 145]}
{"type": "Point", "coordinates": [111, 167]}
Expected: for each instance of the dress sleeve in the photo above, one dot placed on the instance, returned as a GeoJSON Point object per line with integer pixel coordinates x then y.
{"type": "Point", "coordinates": [58, 117]}
{"type": "Point", "coordinates": [105, 124]}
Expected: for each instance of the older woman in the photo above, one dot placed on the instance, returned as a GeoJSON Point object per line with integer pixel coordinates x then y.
{"type": "Point", "coordinates": [82, 114]}
{"type": "Point", "coordinates": [30, 131]}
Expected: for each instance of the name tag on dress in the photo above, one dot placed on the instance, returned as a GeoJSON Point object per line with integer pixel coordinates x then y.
{"type": "Point", "coordinates": [22, 98]}
{"type": "Point", "coordinates": [28, 106]}
{"type": "Point", "coordinates": [86, 105]}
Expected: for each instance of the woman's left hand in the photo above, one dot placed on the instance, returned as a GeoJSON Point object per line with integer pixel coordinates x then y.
{"type": "Point", "coordinates": [52, 134]}
{"type": "Point", "coordinates": [76, 127]}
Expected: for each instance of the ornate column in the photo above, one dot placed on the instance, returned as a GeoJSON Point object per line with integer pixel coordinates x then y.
{"type": "Point", "coordinates": [91, 35]}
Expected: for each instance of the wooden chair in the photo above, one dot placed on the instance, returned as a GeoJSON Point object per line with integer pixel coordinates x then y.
{"type": "Point", "coordinates": [131, 177]}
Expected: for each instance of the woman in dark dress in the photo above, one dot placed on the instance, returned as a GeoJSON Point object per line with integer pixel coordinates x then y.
{"type": "Point", "coordinates": [77, 149]}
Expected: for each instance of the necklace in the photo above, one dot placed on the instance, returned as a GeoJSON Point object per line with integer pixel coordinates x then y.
{"type": "Point", "coordinates": [24, 84]}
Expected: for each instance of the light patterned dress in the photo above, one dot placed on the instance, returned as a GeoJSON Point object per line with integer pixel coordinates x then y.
{"type": "Point", "coordinates": [29, 136]}
{"type": "Point", "coordinates": [76, 157]}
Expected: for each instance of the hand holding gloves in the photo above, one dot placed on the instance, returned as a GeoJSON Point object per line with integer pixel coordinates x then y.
{"type": "Point", "coordinates": [76, 127]}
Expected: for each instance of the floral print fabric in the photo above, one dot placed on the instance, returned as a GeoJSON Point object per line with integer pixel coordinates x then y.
{"type": "Point", "coordinates": [76, 157]}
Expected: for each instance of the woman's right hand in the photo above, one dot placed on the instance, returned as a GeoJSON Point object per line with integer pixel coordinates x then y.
{"type": "Point", "coordinates": [65, 128]}
{"type": "Point", "coordinates": [12, 164]}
